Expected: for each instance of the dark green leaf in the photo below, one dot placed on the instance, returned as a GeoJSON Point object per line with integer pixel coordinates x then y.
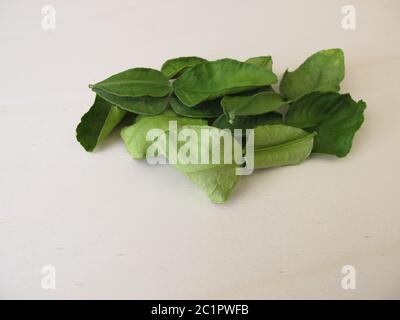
{"type": "Point", "coordinates": [97, 123]}
{"type": "Point", "coordinates": [141, 105]}
{"type": "Point", "coordinates": [175, 67]}
{"type": "Point", "coordinates": [136, 82]}
{"type": "Point", "coordinates": [257, 104]}
{"type": "Point", "coordinates": [333, 116]}
{"type": "Point", "coordinates": [206, 109]}
{"type": "Point", "coordinates": [210, 80]}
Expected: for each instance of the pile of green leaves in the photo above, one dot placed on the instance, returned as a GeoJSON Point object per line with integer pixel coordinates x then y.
{"type": "Point", "coordinates": [306, 116]}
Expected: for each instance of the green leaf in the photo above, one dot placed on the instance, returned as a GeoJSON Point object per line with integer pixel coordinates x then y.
{"type": "Point", "coordinates": [323, 71]}
{"type": "Point", "coordinates": [175, 67]}
{"type": "Point", "coordinates": [134, 136]}
{"type": "Point", "coordinates": [280, 145]}
{"type": "Point", "coordinates": [257, 104]}
{"type": "Point", "coordinates": [141, 105]}
{"type": "Point", "coordinates": [136, 82]}
{"type": "Point", "coordinates": [248, 122]}
{"type": "Point", "coordinates": [210, 80]}
{"type": "Point", "coordinates": [262, 61]}
{"type": "Point", "coordinates": [206, 109]}
{"type": "Point", "coordinates": [97, 123]}
{"type": "Point", "coordinates": [335, 118]}
{"type": "Point", "coordinates": [217, 180]}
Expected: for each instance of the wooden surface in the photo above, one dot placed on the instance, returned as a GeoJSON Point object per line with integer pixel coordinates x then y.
{"type": "Point", "coordinates": [117, 228]}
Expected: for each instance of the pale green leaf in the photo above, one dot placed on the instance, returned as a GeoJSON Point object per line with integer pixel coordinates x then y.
{"type": "Point", "coordinates": [280, 145]}
{"type": "Point", "coordinates": [217, 180]}
{"type": "Point", "coordinates": [262, 61]}
{"type": "Point", "coordinates": [323, 71]}
{"type": "Point", "coordinates": [134, 136]}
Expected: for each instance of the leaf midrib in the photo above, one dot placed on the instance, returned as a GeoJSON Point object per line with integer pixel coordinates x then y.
{"type": "Point", "coordinates": [284, 145]}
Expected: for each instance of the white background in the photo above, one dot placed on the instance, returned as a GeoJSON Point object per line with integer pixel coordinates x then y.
{"type": "Point", "coordinates": [118, 228]}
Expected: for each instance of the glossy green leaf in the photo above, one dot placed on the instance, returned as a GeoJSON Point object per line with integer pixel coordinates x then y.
{"type": "Point", "coordinates": [217, 180]}
{"type": "Point", "coordinates": [323, 71]}
{"type": "Point", "coordinates": [97, 123]}
{"type": "Point", "coordinates": [280, 145]}
{"type": "Point", "coordinates": [134, 136]}
{"type": "Point", "coordinates": [335, 118]}
{"type": "Point", "coordinates": [175, 67]}
{"type": "Point", "coordinates": [206, 109]}
{"type": "Point", "coordinates": [262, 61]}
{"type": "Point", "coordinates": [257, 104]}
{"type": "Point", "coordinates": [136, 82]}
{"type": "Point", "coordinates": [248, 122]}
{"type": "Point", "coordinates": [141, 105]}
{"type": "Point", "coordinates": [210, 80]}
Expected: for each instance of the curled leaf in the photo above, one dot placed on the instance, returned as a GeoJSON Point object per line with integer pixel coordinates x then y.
{"type": "Point", "coordinates": [206, 109]}
{"type": "Point", "coordinates": [210, 80]}
{"type": "Point", "coordinates": [280, 145]}
{"type": "Point", "coordinates": [256, 104]}
{"type": "Point", "coordinates": [262, 61]}
{"type": "Point", "coordinates": [175, 67]}
{"type": "Point", "coordinates": [97, 123]}
{"type": "Point", "coordinates": [136, 82]}
{"type": "Point", "coordinates": [145, 105]}
{"type": "Point", "coordinates": [335, 117]}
